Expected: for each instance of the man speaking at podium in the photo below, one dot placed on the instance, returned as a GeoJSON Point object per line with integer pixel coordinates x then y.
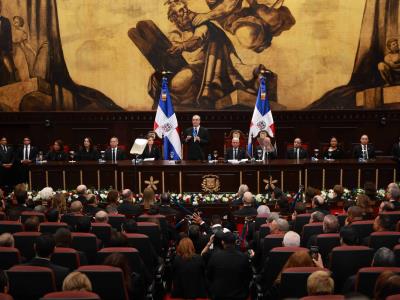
{"type": "Point", "coordinates": [196, 138]}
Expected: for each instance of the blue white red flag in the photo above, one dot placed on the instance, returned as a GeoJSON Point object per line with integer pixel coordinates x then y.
{"type": "Point", "coordinates": [166, 124]}
{"type": "Point", "coordinates": [262, 116]}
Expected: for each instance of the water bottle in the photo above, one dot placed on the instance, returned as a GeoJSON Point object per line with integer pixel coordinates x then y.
{"type": "Point", "coordinates": [209, 158]}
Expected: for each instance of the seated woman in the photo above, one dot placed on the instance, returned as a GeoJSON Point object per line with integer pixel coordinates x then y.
{"type": "Point", "coordinates": [57, 152]}
{"type": "Point", "coordinates": [333, 152]}
{"type": "Point", "coordinates": [87, 151]}
{"type": "Point", "coordinates": [151, 150]}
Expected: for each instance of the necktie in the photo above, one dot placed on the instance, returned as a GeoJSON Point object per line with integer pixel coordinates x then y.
{"type": "Point", "coordinates": [366, 151]}
{"type": "Point", "coordinates": [195, 131]}
{"type": "Point", "coordinates": [297, 153]}
{"type": "Point", "coordinates": [4, 148]}
{"type": "Point", "coordinates": [234, 153]}
{"type": "Point", "coordinates": [26, 153]}
{"type": "Point", "coordinates": [114, 156]}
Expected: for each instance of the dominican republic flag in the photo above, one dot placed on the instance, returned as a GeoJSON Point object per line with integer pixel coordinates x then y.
{"type": "Point", "coordinates": [166, 124]}
{"type": "Point", "coordinates": [262, 116]}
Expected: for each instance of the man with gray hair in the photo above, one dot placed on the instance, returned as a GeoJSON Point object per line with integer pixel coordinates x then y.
{"type": "Point", "coordinates": [330, 225]}
{"type": "Point", "coordinates": [81, 191]}
{"type": "Point", "coordinates": [247, 210]}
{"type": "Point", "coordinates": [196, 137]}
{"type": "Point", "coordinates": [101, 217]}
{"type": "Point", "coordinates": [278, 226]}
{"type": "Point", "coordinates": [6, 240]}
{"type": "Point", "coordinates": [395, 197]}
{"type": "Point", "coordinates": [318, 204]}
{"type": "Point", "coordinates": [235, 152]}
{"type": "Point", "coordinates": [291, 239]}
{"type": "Point", "coordinates": [127, 207]}
{"type": "Point", "coordinates": [316, 217]}
{"type": "Point", "coordinates": [263, 210]}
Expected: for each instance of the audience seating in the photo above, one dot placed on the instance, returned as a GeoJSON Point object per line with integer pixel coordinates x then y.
{"type": "Point", "coordinates": [275, 262]}
{"type": "Point", "coordinates": [132, 254]}
{"type": "Point", "coordinates": [153, 232]}
{"type": "Point", "coordinates": [393, 297]}
{"type": "Point", "coordinates": [146, 250]}
{"type": "Point", "coordinates": [10, 226]}
{"type": "Point", "coordinates": [27, 214]}
{"type": "Point", "coordinates": [72, 220]}
{"type": "Point", "coordinates": [300, 221]}
{"type": "Point", "coordinates": [271, 241]}
{"type": "Point", "coordinates": [102, 231]}
{"type": "Point", "coordinates": [326, 242]}
{"type": "Point", "coordinates": [9, 257]}
{"type": "Point", "coordinates": [107, 282]}
{"type": "Point", "coordinates": [51, 227]}
{"type": "Point", "coordinates": [259, 221]}
{"type": "Point", "coordinates": [342, 219]}
{"type": "Point", "coordinates": [2, 216]}
{"type": "Point", "coordinates": [116, 221]}
{"type": "Point", "coordinates": [24, 241]}
{"type": "Point", "coordinates": [396, 251]}
{"type": "Point", "coordinates": [310, 230]}
{"type": "Point", "coordinates": [294, 281]}
{"type": "Point", "coordinates": [324, 297]}
{"type": "Point", "coordinates": [363, 228]}
{"type": "Point", "coordinates": [87, 243]}
{"type": "Point", "coordinates": [30, 282]}
{"type": "Point", "coordinates": [66, 257]}
{"type": "Point", "coordinates": [387, 239]}
{"type": "Point", "coordinates": [366, 278]}
{"type": "Point", "coordinates": [76, 295]}
{"type": "Point", "coordinates": [263, 231]}
{"type": "Point", "coordinates": [5, 297]}
{"type": "Point", "coordinates": [394, 215]}
{"type": "Point", "coordinates": [347, 260]}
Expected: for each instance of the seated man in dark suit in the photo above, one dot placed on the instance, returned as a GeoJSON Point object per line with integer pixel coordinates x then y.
{"type": "Point", "coordinates": [165, 208]}
{"type": "Point", "coordinates": [297, 152]}
{"type": "Point", "coordinates": [127, 207]}
{"type": "Point", "coordinates": [44, 247]}
{"type": "Point", "coordinates": [363, 150]}
{"type": "Point", "coordinates": [247, 210]}
{"type": "Point", "coordinates": [235, 152]}
{"type": "Point", "coordinates": [114, 153]}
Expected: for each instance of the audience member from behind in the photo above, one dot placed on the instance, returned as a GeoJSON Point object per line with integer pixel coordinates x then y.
{"type": "Point", "coordinates": [263, 210]}
{"type": "Point", "coordinates": [101, 217]}
{"type": "Point", "coordinates": [318, 204]}
{"type": "Point", "coordinates": [386, 206]}
{"type": "Point", "coordinates": [113, 198]}
{"type": "Point", "coordinates": [130, 226]}
{"type": "Point", "coordinates": [127, 207]}
{"type": "Point", "coordinates": [148, 199]}
{"type": "Point", "coordinates": [387, 284]}
{"type": "Point", "coordinates": [247, 210]}
{"type": "Point", "coordinates": [165, 207]}
{"type": "Point", "coordinates": [44, 248]}
{"type": "Point", "coordinates": [188, 272]}
{"type": "Point", "coordinates": [330, 225]}
{"type": "Point", "coordinates": [384, 257]}
{"type": "Point", "coordinates": [91, 207]}
{"type": "Point", "coordinates": [395, 197]}
{"type": "Point", "coordinates": [354, 213]}
{"type": "Point", "coordinates": [77, 281]}
{"type": "Point", "coordinates": [7, 240]}
{"type": "Point", "coordinates": [84, 225]}
{"type": "Point", "coordinates": [320, 283]}
{"type": "Point", "coordinates": [81, 191]}
{"type": "Point", "coordinates": [300, 208]}
{"type": "Point", "coordinates": [76, 208]}
{"type": "Point", "coordinates": [291, 239]}
{"type": "Point", "coordinates": [348, 236]}
{"type": "Point", "coordinates": [63, 239]}
{"type": "Point", "coordinates": [31, 224]}
{"type": "Point", "coordinates": [278, 226]}
{"type": "Point", "coordinates": [20, 198]}
{"type": "Point", "coordinates": [229, 272]}
{"type": "Point", "coordinates": [364, 202]}
{"type": "Point", "coordinates": [316, 217]}
{"type": "Point", "coordinates": [243, 188]}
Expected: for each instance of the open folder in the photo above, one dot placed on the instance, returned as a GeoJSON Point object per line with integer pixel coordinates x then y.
{"type": "Point", "coordinates": [138, 146]}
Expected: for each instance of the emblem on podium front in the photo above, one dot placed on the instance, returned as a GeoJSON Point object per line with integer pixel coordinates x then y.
{"type": "Point", "coordinates": [210, 183]}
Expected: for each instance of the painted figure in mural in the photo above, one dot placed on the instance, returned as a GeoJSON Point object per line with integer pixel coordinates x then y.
{"type": "Point", "coordinates": [253, 25]}
{"type": "Point", "coordinates": [23, 53]}
{"type": "Point", "coordinates": [390, 67]}
{"type": "Point", "coordinates": [7, 67]}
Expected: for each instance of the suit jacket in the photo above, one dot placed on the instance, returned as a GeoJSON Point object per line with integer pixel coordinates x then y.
{"type": "Point", "coordinates": [196, 149]}
{"type": "Point", "coordinates": [6, 156]}
{"type": "Point", "coordinates": [120, 154]}
{"type": "Point", "coordinates": [291, 154]}
{"type": "Point", "coordinates": [153, 153]}
{"type": "Point", "coordinates": [5, 36]}
{"type": "Point", "coordinates": [59, 272]}
{"type": "Point", "coordinates": [32, 153]}
{"type": "Point", "coordinates": [167, 210]}
{"type": "Point", "coordinates": [127, 208]}
{"type": "Point", "coordinates": [396, 152]}
{"type": "Point", "coordinates": [241, 154]}
{"type": "Point", "coordinates": [57, 156]}
{"type": "Point", "coordinates": [82, 154]}
{"type": "Point", "coordinates": [229, 274]}
{"type": "Point", "coordinates": [271, 155]}
{"type": "Point", "coordinates": [357, 151]}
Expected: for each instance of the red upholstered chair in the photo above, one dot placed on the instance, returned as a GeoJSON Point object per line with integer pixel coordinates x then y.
{"type": "Point", "coordinates": [275, 262]}
{"type": "Point", "coordinates": [27, 214]}
{"type": "Point", "coordinates": [294, 281]}
{"type": "Point", "coordinates": [309, 230]}
{"type": "Point", "coordinates": [259, 221]}
{"type": "Point", "coordinates": [29, 282]}
{"type": "Point", "coordinates": [342, 219]}
{"type": "Point", "coordinates": [116, 221]}
{"type": "Point", "coordinates": [394, 216]}
{"type": "Point", "coordinates": [396, 251]}
{"type": "Point", "coordinates": [2, 216]}
{"type": "Point", "coordinates": [264, 230]}
{"type": "Point", "coordinates": [387, 239]}
{"type": "Point", "coordinates": [363, 228]}
{"type": "Point", "coordinates": [271, 241]}
{"type": "Point", "coordinates": [152, 230]}
{"type": "Point", "coordinates": [301, 220]}
{"type": "Point", "coordinates": [87, 243]}
{"type": "Point", "coordinates": [72, 220]}
{"type": "Point", "coordinates": [326, 242]}
{"type": "Point", "coordinates": [5, 297]}
{"type": "Point", "coordinates": [107, 282]}
{"type": "Point", "coordinates": [324, 297]}
{"type": "Point", "coordinates": [102, 231]}
{"type": "Point", "coordinates": [146, 249]}
{"type": "Point", "coordinates": [347, 260]}
{"type": "Point", "coordinates": [9, 257]}
{"type": "Point", "coordinates": [393, 297]}
{"type": "Point", "coordinates": [66, 257]}
{"type": "Point", "coordinates": [77, 295]}
{"type": "Point", "coordinates": [24, 241]}
{"type": "Point", "coordinates": [51, 227]}
{"type": "Point", "coordinates": [132, 254]}
{"type": "Point", "coordinates": [10, 226]}
{"type": "Point", "coordinates": [366, 278]}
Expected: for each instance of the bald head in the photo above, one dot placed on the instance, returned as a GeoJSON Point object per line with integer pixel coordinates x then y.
{"type": "Point", "coordinates": [76, 207]}
{"type": "Point", "coordinates": [127, 195]}
{"type": "Point", "coordinates": [247, 198]}
{"type": "Point", "coordinates": [81, 189]}
{"type": "Point", "coordinates": [6, 240]}
{"type": "Point", "coordinates": [101, 217]}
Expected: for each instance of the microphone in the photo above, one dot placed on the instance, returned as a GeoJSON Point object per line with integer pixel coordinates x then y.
{"type": "Point", "coordinates": [165, 72]}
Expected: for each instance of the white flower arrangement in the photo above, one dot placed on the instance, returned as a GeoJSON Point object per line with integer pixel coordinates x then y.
{"type": "Point", "coordinates": [44, 194]}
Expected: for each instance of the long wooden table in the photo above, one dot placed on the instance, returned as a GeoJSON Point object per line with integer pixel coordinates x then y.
{"type": "Point", "coordinates": [193, 176]}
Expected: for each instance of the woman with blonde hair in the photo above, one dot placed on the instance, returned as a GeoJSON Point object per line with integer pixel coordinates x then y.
{"type": "Point", "coordinates": [148, 198]}
{"type": "Point", "coordinates": [188, 271]}
{"type": "Point", "coordinates": [77, 281]}
{"type": "Point", "coordinates": [59, 203]}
